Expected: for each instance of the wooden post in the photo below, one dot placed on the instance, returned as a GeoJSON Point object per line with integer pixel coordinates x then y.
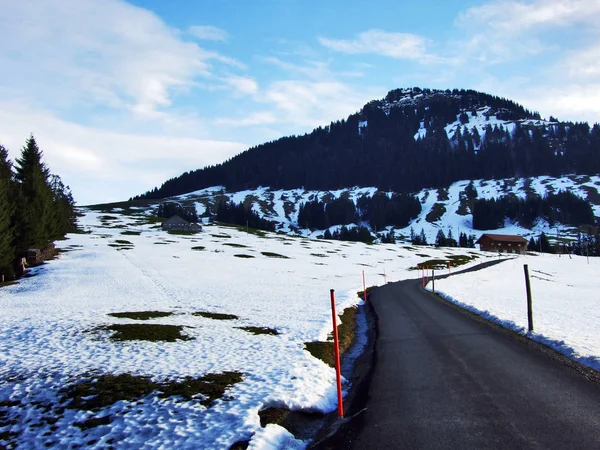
{"type": "Point", "coordinates": [529, 304]}
{"type": "Point", "coordinates": [364, 287]}
{"type": "Point", "coordinates": [432, 280]}
{"type": "Point", "coordinates": [336, 347]}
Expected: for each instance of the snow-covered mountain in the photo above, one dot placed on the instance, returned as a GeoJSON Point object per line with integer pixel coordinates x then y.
{"type": "Point", "coordinates": [445, 209]}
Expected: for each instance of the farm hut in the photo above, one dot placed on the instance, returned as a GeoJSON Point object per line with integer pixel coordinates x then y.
{"type": "Point", "coordinates": [177, 223]}
{"type": "Point", "coordinates": [502, 243]}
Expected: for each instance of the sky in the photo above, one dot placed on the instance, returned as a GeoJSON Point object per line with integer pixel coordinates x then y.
{"type": "Point", "coordinates": [123, 95]}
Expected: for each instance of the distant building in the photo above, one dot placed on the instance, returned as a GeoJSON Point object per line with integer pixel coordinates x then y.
{"type": "Point", "coordinates": [176, 223]}
{"type": "Point", "coordinates": [502, 243]}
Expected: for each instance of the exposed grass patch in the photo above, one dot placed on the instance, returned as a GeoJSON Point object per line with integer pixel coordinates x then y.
{"type": "Point", "coordinates": [243, 256]}
{"type": "Point", "coordinates": [198, 247]}
{"type": "Point", "coordinates": [254, 231]}
{"type": "Point", "coordinates": [211, 386]}
{"type": "Point", "coordinates": [324, 350]}
{"type": "Point", "coordinates": [146, 332]}
{"type": "Point", "coordinates": [161, 243]}
{"type": "Point", "coordinates": [273, 255]}
{"type": "Point", "coordinates": [436, 213]}
{"type": "Point", "coordinates": [422, 255]}
{"type": "Point", "coordinates": [319, 255]}
{"type": "Point", "coordinates": [361, 293]}
{"type": "Point", "coordinates": [131, 233]}
{"type": "Point", "coordinates": [123, 242]}
{"type": "Point", "coordinates": [106, 390]}
{"type": "Point", "coordinates": [260, 330]}
{"type": "Point", "coordinates": [273, 416]}
{"type": "Point", "coordinates": [233, 244]}
{"type": "Point", "coordinates": [221, 236]}
{"type": "Point", "coordinates": [141, 315]}
{"type": "Point", "coordinates": [442, 263]}
{"type": "Point", "coordinates": [216, 316]}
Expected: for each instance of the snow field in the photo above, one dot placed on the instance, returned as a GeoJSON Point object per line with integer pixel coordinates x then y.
{"type": "Point", "coordinates": [47, 337]}
{"type": "Point", "coordinates": [566, 304]}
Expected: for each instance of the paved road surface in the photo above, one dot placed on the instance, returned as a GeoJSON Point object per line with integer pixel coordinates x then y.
{"type": "Point", "coordinates": [442, 380]}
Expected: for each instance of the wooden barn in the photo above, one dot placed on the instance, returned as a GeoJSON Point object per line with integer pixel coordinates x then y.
{"type": "Point", "coordinates": [502, 243]}
{"type": "Point", "coordinates": [177, 223]}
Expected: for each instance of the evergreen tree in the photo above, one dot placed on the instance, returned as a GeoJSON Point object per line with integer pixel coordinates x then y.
{"type": "Point", "coordinates": [34, 216]}
{"type": "Point", "coordinates": [7, 207]}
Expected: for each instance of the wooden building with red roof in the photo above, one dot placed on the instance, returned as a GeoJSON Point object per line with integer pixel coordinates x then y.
{"type": "Point", "coordinates": [502, 243]}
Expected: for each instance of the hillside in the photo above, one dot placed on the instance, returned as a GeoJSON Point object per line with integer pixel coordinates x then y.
{"type": "Point", "coordinates": [412, 139]}
{"type": "Point", "coordinates": [447, 208]}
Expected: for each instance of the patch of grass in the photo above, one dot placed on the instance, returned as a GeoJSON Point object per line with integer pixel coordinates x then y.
{"type": "Point", "coordinates": [141, 315]}
{"type": "Point", "coordinates": [221, 236]}
{"type": "Point", "coordinates": [216, 316]}
{"type": "Point", "coordinates": [106, 390]}
{"type": "Point", "coordinates": [324, 350]}
{"type": "Point", "coordinates": [592, 195]}
{"type": "Point", "coordinates": [436, 213]}
{"type": "Point", "coordinates": [440, 263]}
{"type": "Point", "coordinates": [273, 255]}
{"type": "Point", "coordinates": [240, 255]}
{"type": "Point", "coordinates": [254, 231]}
{"type": "Point", "coordinates": [146, 332]}
{"type": "Point", "coordinates": [131, 233]}
{"type": "Point", "coordinates": [161, 243]}
{"type": "Point", "coordinates": [197, 248]}
{"type": "Point", "coordinates": [319, 255]}
{"type": "Point", "coordinates": [233, 244]}
{"type": "Point", "coordinates": [360, 294]}
{"type": "Point", "coordinates": [260, 330]}
{"type": "Point", "coordinates": [93, 422]}
{"type": "Point", "coordinates": [422, 255]}
{"type": "Point", "coordinates": [211, 386]}
{"type": "Point", "coordinates": [273, 415]}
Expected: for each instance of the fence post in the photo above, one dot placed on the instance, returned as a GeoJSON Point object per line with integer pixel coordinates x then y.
{"type": "Point", "coordinates": [364, 287]}
{"type": "Point", "coordinates": [529, 303]}
{"type": "Point", "coordinates": [432, 280]}
{"type": "Point", "coordinates": [336, 346]}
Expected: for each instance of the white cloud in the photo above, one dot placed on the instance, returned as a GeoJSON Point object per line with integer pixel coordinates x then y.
{"type": "Point", "coordinates": [506, 30]}
{"type": "Point", "coordinates": [519, 16]}
{"type": "Point", "coordinates": [242, 84]}
{"type": "Point", "coordinates": [395, 45]}
{"type": "Point", "coordinates": [101, 165]}
{"type": "Point", "coordinates": [110, 53]}
{"type": "Point", "coordinates": [208, 32]}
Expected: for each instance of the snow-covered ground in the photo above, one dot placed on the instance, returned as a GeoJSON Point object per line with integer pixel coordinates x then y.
{"type": "Point", "coordinates": [566, 300]}
{"type": "Point", "coordinates": [49, 337]}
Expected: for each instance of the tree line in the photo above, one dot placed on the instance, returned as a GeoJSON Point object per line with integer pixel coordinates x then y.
{"type": "Point", "coordinates": [36, 208]}
{"type": "Point", "coordinates": [385, 154]}
{"type": "Point", "coordinates": [564, 207]}
{"type": "Point", "coordinates": [379, 210]}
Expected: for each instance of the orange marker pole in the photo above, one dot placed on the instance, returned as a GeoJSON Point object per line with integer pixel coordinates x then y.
{"type": "Point", "coordinates": [364, 287]}
{"type": "Point", "coordinates": [336, 346]}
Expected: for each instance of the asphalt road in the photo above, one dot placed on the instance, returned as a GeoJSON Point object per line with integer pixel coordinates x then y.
{"type": "Point", "coordinates": [441, 380]}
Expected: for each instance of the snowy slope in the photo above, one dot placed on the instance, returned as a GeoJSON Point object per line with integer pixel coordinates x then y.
{"type": "Point", "coordinates": [565, 301]}
{"type": "Point", "coordinates": [282, 206]}
{"type": "Point", "coordinates": [49, 337]}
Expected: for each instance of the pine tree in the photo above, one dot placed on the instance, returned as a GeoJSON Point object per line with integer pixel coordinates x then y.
{"type": "Point", "coordinates": [35, 215]}
{"type": "Point", "coordinates": [7, 207]}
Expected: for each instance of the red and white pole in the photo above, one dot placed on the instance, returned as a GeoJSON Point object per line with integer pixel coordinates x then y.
{"type": "Point", "coordinates": [336, 346]}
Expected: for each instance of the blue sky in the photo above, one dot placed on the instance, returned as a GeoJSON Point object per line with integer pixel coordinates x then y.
{"type": "Point", "coordinates": [122, 95]}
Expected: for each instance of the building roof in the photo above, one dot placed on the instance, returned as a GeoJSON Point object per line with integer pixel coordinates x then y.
{"type": "Point", "coordinates": [175, 219]}
{"type": "Point", "coordinates": [502, 238]}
